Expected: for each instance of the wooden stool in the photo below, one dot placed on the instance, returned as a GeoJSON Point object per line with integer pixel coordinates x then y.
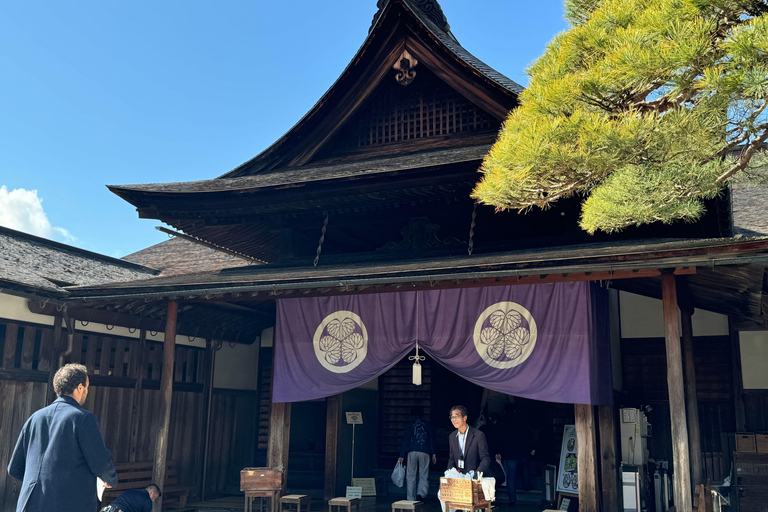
{"type": "Point", "coordinates": [468, 506]}
{"type": "Point", "coordinates": [302, 503]}
{"type": "Point", "coordinates": [273, 497]}
{"type": "Point", "coordinates": [344, 504]}
{"type": "Point", "coordinates": [414, 506]}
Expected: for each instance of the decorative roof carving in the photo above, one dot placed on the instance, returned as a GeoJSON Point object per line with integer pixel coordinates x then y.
{"type": "Point", "coordinates": [405, 68]}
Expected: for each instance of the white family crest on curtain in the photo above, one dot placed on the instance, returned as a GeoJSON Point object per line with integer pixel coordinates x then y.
{"type": "Point", "coordinates": [505, 335]}
{"type": "Point", "coordinates": [341, 341]}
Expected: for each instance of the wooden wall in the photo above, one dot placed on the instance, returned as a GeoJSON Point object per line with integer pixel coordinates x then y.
{"type": "Point", "coordinates": [124, 391]}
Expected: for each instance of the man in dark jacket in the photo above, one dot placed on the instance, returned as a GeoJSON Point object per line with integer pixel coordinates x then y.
{"type": "Point", "coordinates": [468, 449]}
{"type": "Point", "coordinates": [418, 445]}
{"type": "Point", "coordinates": [60, 451]}
{"type": "Point", "coordinates": [135, 500]}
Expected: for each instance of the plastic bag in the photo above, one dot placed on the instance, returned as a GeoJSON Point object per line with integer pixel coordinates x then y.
{"type": "Point", "coordinates": [398, 474]}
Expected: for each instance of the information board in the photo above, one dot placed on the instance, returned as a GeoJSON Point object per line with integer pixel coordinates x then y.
{"type": "Point", "coordinates": [354, 492]}
{"type": "Point", "coordinates": [567, 474]}
{"type": "Point", "coordinates": [368, 485]}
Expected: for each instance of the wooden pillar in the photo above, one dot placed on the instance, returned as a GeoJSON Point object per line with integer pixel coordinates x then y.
{"type": "Point", "coordinates": [279, 435]}
{"type": "Point", "coordinates": [210, 360]}
{"type": "Point", "coordinates": [675, 383]}
{"type": "Point", "coordinates": [331, 444]}
{"type": "Point", "coordinates": [137, 355]}
{"type": "Point", "coordinates": [691, 401]}
{"type": "Point", "coordinates": [586, 441]}
{"type": "Point", "coordinates": [53, 366]}
{"type": "Point", "coordinates": [610, 467]}
{"type": "Point", "coordinates": [166, 389]}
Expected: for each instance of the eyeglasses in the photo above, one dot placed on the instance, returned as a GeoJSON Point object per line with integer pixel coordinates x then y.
{"type": "Point", "coordinates": [454, 417]}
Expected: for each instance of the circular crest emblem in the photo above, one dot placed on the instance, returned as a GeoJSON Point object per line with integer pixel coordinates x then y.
{"type": "Point", "coordinates": [341, 341]}
{"type": "Point", "coordinates": [505, 335]}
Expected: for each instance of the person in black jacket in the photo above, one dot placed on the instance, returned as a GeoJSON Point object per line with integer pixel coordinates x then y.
{"type": "Point", "coordinates": [60, 451]}
{"type": "Point", "coordinates": [135, 500]}
{"type": "Point", "coordinates": [468, 448]}
{"type": "Point", "coordinates": [418, 446]}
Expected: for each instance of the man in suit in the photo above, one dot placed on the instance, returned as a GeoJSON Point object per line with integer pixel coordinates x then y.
{"type": "Point", "coordinates": [468, 448]}
{"type": "Point", "coordinates": [60, 451]}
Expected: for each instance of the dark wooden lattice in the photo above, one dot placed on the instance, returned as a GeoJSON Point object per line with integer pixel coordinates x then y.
{"type": "Point", "coordinates": [428, 107]}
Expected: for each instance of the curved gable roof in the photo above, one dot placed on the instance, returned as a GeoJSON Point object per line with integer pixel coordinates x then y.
{"type": "Point", "coordinates": [371, 64]}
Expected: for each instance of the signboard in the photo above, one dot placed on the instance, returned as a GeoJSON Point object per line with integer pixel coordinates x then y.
{"type": "Point", "coordinates": [354, 492]}
{"type": "Point", "coordinates": [368, 485]}
{"type": "Point", "coordinates": [354, 418]}
{"type": "Point", "coordinates": [567, 475]}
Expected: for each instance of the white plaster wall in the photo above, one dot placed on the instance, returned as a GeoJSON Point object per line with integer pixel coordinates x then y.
{"type": "Point", "coordinates": [754, 359]}
{"type": "Point", "coordinates": [642, 317]}
{"type": "Point", "coordinates": [237, 367]}
{"type": "Point", "coordinates": [15, 308]}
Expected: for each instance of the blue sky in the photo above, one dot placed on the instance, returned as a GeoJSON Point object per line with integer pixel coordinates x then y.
{"type": "Point", "coordinates": [95, 93]}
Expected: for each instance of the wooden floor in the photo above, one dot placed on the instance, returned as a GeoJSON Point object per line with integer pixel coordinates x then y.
{"type": "Point", "coordinates": [381, 504]}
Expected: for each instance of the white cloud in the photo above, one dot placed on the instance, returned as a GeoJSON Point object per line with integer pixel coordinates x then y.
{"type": "Point", "coordinates": [23, 211]}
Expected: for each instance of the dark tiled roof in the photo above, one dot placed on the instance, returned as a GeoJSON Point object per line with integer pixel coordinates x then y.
{"type": "Point", "coordinates": [38, 263]}
{"type": "Point", "coordinates": [178, 256]}
{"type": "Point", "coordinates": [628, 255]}
{"type": "Point", "coordinates": [290, 176]}
{"type": "Point", "coordinates": [750, 209]}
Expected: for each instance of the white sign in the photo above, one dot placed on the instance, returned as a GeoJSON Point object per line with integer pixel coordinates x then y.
{"type": "Point", "coordinates": [354, 418]}
{"type": "Point", "coordinates": [567, 474]}
{"type": "Point", "coordinates": [368, 485]}
{"type": "Point", "coordinates": [354, 492]}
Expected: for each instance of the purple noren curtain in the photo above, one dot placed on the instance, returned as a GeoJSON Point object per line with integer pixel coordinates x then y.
{"type": "Point", "coordinates": [545, 342]}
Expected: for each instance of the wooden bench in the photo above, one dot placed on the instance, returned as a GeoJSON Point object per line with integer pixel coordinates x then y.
{"type": "Point", "coordinates": [405, 505]}
{"type": "Point", "coordinates": [295, 503]}
{"type": "Point", "coordinates": [138, 475]}
{"type": "Point", "coordinates": [344, 505]}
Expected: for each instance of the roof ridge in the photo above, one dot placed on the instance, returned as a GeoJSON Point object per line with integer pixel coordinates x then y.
{"type": "Point", "coordinates": [429, 8]}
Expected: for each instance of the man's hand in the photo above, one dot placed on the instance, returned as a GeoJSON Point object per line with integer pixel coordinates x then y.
{"type": "Point", "coordinates": [107, 486]}
{"type": "Point", "coordinates": [498, 457]}
{"type": "Point", "coordinates": [533, 452]}
{"type": "Point", "coordinates": [434, 458]}
{"type": "Point", "coordinates": [400, 460]}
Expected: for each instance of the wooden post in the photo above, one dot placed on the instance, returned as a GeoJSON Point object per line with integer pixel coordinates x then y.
{"type": "Point", "coordinates": [610, 468]}
{"type": "Point", "coordinates": [691, 401]}
{"type": "Point", "coordinates": [166, 389]}
{"type": "Point", "coordinates": [210, 360]}
{"type": "Point", "coordinates": [138, 371]}
{"type": "Point", "coordinates": [279, 436]}
{"type": "Point", "coordinates": [586, 441]}
{"type": "Point", "coordinates": [675, 383]}
{"type": "Point", "coordinates": [53, 366]}
{"type": "Point", "coordinates": [331, 444]}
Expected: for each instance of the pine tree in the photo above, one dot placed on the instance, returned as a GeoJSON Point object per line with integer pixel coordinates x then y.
{"type": "Point", "coordinates": [644, 108]}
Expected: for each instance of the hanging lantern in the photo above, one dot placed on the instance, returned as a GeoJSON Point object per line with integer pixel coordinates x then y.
{"type": "Point", "coordinates": [416, 366]}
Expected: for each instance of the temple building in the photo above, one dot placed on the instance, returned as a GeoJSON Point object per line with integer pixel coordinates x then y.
{"type": "Point", "coordinates": [308, 282]}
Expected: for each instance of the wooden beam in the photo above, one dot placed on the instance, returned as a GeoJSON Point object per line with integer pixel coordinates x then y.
{"type": "Point", "coordinates": [610, 463]}
{"type": "Point", "coordinates": [691, 400]}
{"type": "Point", "coordinates": [331, 444]}
{"type": "Point", "coordinates": [166, 390]}
{"type": "Point", "coordinates": [675, 383]}
{"type": "Point", "coordinates": [53, 365]}
{"type": "Point", "coordinates": [586, 440]}
{"type": "Point", "coordinates": [279, 435]}
{"type": "Point", "coordinates": [136, 370]}
{"type": "Point", "coordinates": [738, 382]}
